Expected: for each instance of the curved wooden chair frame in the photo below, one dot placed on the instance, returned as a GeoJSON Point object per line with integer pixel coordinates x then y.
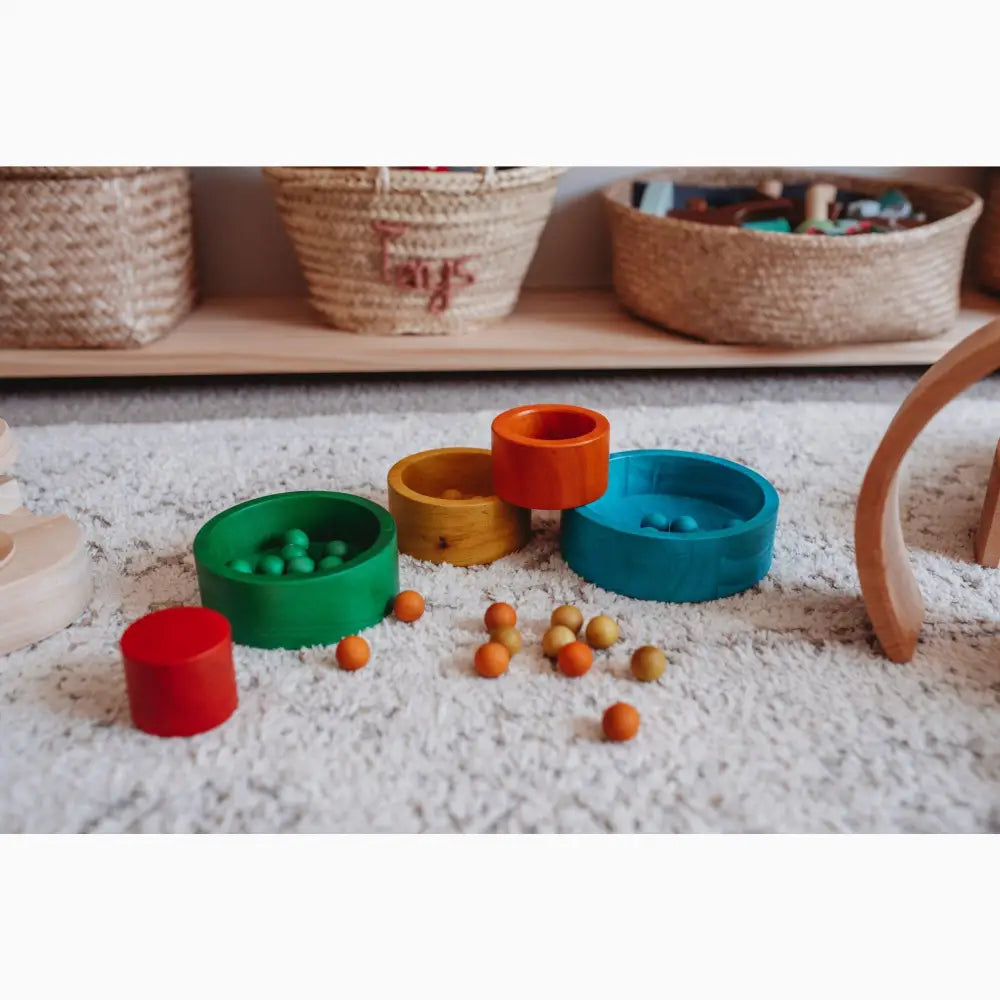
{"type": "Point", "coordinates": [888, 586]}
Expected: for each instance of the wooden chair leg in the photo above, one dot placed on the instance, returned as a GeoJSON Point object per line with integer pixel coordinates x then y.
{"type": "Point", "coordinates": [988, 535]}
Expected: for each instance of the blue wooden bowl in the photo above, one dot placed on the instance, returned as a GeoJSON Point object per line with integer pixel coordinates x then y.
{"type": "Point", "coordinates": [674, 526]}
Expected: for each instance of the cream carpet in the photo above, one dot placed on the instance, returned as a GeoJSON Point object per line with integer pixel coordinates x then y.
{"type": "Point", "coordinates": [776, 712]}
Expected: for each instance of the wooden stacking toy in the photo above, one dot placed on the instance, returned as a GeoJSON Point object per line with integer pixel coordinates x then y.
{"type": "Point", "coordinates": [446, 510]}
{"type": "Point", "coordinates": [299, 569]}
{"type": "Point", "coordinates": [889, 588]}
{"type": "Point", "coordinates": [674, 526]}
{"type": "Point", "coordinates": [550, 456]}
{"type": "Point", "coordinates": [661, 525]}
{"type": "Point", "coordinates": [45, 581]}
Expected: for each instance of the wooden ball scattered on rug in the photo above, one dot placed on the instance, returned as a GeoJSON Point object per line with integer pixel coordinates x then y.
{"type": "Point", "coordinates": [510, 637]}
{"type": "Point", "coordinates": [602, 632]}
{"type": "Point", "coordinates": [499, 615]}
{"type": "Point", "coordinates": [555, 638]}
{"type": "Point", "coordinates": [569, 616]}
{"type": "Point", "coordinates": [620, 722]}
{"type": "Point", "coordinates": [491, 660]}
{"type": "Point", "coordinates": [648, 663]}
{"type": "Point", "coordinates": [353, 652]}
{"type": "Point", "coordinates": [408, 606]}
{"type": "Point", "coordinates": [575, 659]}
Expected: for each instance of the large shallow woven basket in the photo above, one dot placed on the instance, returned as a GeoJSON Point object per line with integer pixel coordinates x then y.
{"type": "Point", "coordinates": [989, 234]}
{"type": "Point", "coordinates": [93, 257]}
{"type": "Point", "coordinates": [413, 251]}
{"type": "Point", "coordinates": [729, 285]}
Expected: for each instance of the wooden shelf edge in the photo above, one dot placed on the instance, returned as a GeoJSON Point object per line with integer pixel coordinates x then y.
{"type": "Point", "coordinates": [572, 330]}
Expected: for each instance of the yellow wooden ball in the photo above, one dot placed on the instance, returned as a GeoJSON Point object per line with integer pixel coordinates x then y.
{"type": "Point", "coordinates": [648, 663]}
{"type": "Point", "coordinates": [569, 616]}
{"type": "Point", "coordinates": [602, 632]}
{"type": "Point", "coordinates": [508, 636]}
{"type": "Point", "coordinates": [554, 640]}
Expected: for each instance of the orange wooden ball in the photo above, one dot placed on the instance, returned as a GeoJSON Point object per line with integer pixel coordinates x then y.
{"type": "Point", "coordinates": [353, 652]}
{"type": "Point", "coordinates": [499, 615]}
{"type": "Point", "coordinates": [492, 659]}
{"type": "Point", "coordinates": [575, 659]}
{"type": "Point", "coordinates": [620, 722]}
{"type": "Point", "coordinates": [408, 606]}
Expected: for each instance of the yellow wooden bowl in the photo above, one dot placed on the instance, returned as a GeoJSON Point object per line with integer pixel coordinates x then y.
{"type": "Point", "coordinates": [446, 510]}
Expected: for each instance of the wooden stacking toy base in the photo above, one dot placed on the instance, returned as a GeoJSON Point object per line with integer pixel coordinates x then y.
{"type": "Point", "coordinates": [446, 510]}
{"type": "Point", "coordinates": [674, 526]}
{"type": "Point", "coordinates": [299, 599]}
{"type": "Point", "coordinates": [45, 579]}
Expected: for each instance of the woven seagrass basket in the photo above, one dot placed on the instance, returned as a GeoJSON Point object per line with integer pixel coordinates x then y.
{"type": "Point", "coordinates": [989, 235]}
{"type": "Point", "coordinates": [724, 284]}
{"type": "Point", "coordinates": [413, 251]}
{"type": "Point", "coordinates": [93, 257]}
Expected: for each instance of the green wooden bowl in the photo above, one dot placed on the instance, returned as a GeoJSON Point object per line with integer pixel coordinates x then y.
{"type": "Point", "coordinates": [299, 609]}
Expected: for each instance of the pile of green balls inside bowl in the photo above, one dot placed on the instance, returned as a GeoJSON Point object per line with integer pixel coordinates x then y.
{"type": "Point", "coordinates": [295, 556]}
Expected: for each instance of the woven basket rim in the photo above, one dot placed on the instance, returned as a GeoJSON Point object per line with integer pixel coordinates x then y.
{"type": "Point", "coordinates": [617, 196]}
{"type": "Point", "coordinates": [365, 179]}
{"type": "Point", "coordinates": [70, 173]}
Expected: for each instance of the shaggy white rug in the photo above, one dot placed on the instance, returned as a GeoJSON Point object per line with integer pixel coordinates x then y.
{"type": "Point", "coordinates": [776, 713]}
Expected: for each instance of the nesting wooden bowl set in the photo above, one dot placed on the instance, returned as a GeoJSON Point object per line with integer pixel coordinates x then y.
{"type": "Point", "coordinates": [468, 506]}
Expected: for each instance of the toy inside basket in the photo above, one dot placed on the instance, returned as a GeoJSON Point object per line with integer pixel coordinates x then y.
{"type": "Point", "coordinates": [727, 284]}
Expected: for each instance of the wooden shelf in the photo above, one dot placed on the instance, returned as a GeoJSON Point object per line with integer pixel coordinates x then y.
{"type": "Point", "coordinates": [550, 331]}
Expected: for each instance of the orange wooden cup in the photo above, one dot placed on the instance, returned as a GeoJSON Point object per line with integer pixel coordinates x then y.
{"type": "Point", "coordinates": [550, 456]}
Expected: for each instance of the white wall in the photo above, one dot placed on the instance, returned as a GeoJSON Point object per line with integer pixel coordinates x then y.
{"type": "Point", "coordinates": [243, 249]}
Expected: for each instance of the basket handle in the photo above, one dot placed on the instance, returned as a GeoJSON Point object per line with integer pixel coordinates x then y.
{"type": "Point", "coordinates": [383, 180]}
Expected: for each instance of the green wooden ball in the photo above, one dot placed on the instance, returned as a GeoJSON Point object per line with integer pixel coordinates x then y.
{"type": "Point", "coordinates": [336, 548]}
{"type": "Point", "coordinates": [290, 551]}
{"type": "Point", "coordinates": [241, 565]}
{"type": "Point", "coordinates": [271, 565]}
{"type": "Point", "coordinates": [331, 562]}
{"type": "Point", "coordinates": [300, 564]}
{"type": "Point", "coordinates": [296, 536]}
